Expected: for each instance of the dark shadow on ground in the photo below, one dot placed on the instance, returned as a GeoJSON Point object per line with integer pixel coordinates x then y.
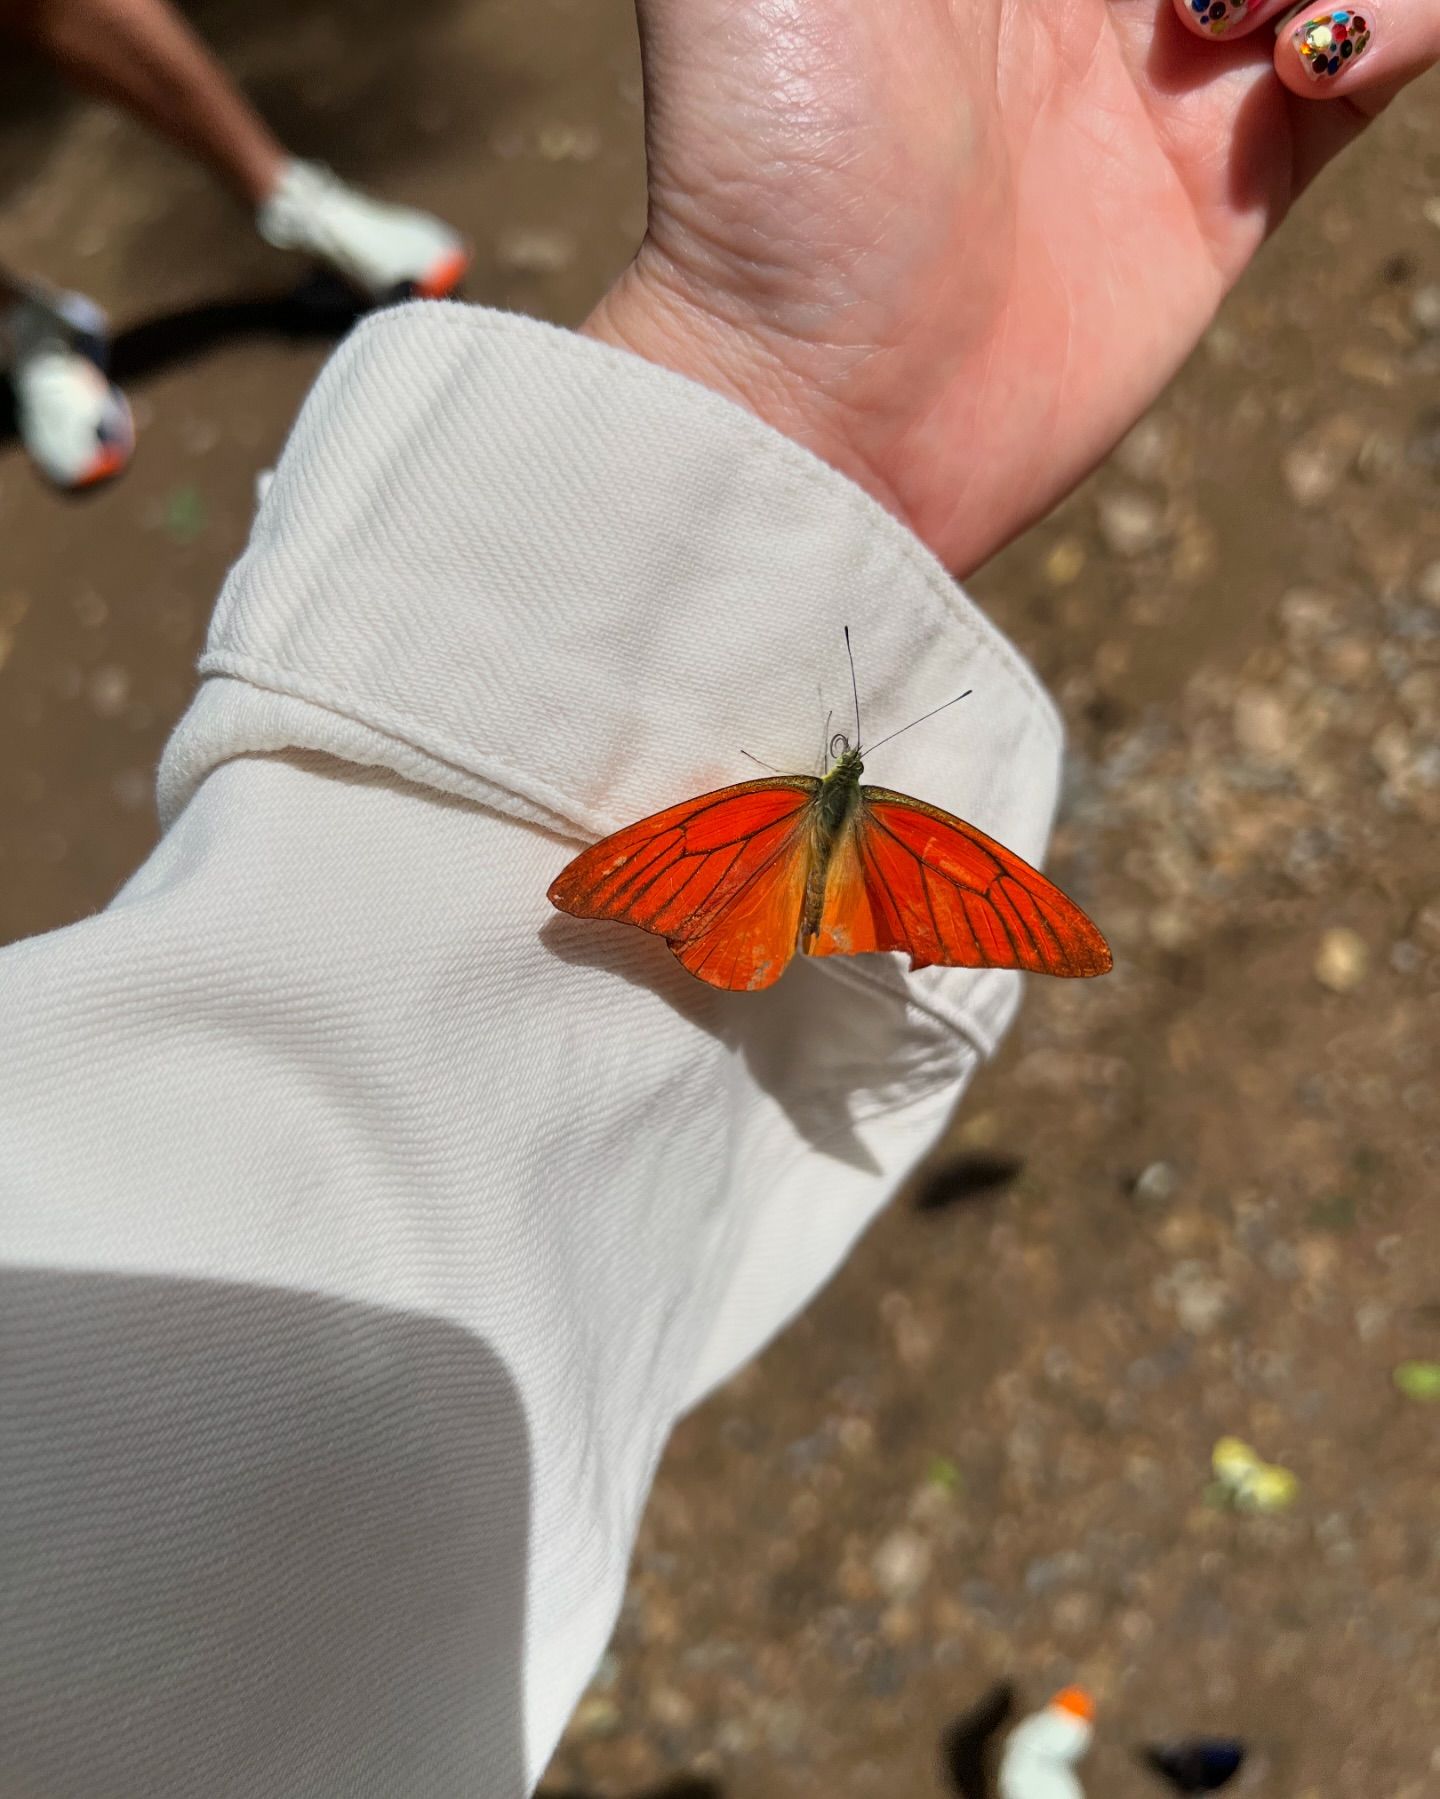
{"type": "Point", "coordinates": [967, 1752]}
{"type": "Point", "coordinates": [965, 1178]}
{"type": "Point", "coordinates": [320, 310]}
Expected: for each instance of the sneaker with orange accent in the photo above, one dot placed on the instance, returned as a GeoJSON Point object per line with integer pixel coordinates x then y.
{"type": "Point", "coordinates": [75, 424]}
{"type": "Point", "coordinates": [1041, 1752]}
{"type": "Point", "coordinates": [387, 252]}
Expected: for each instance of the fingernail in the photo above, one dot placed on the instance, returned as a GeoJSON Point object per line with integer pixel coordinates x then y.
{"type": "Point", "coordinates": [1219, 15]}
{"type": "Point", "coordinates": [1331, 41]}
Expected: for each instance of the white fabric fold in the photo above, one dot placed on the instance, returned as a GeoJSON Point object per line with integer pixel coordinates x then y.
{"type": "Point", "coordinates": [365, 1225]}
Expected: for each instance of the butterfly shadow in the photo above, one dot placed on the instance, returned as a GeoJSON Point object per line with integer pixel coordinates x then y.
{"type": "Point", "coordinates": [830, 1051]}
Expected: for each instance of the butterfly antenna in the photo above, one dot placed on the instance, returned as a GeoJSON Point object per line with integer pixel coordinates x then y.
{"type": "Point", "coordinates": [854, 689]}
{"type": "Point", "coordinates": [759, 763]}
{"type": "Point", "coordinates": [920, 721]}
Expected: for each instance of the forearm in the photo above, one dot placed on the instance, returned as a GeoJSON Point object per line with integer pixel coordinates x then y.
{"type": "Point", "coordinates": [367, 1224]}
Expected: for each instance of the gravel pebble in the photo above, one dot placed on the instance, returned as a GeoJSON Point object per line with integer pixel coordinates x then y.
{"type": "Point", "coordinates": [1342, 960]}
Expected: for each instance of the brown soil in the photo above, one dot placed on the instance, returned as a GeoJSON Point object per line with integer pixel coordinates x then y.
{"type": "Point", "coordinates": [984, 1453]}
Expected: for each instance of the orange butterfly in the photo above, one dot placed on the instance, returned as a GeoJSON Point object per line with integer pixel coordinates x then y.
{"type": "Point", "coordinates": [737, 880]}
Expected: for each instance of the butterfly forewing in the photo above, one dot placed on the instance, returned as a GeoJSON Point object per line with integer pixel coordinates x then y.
{"type": "Point", "coordinates": [752, 938]}
{"type": "Point", "coordinates": [720, 877]}
{"type": "Point", "coordinates": [946, 893]}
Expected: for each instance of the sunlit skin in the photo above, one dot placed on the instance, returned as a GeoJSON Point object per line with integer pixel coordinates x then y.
{"type": "Point", "coordinates": [955, 247]}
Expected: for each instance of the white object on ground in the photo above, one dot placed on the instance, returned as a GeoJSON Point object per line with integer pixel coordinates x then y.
{"type": "Point", "coordinates": [74, 423]}
{"type": "Point", "coordinates": [386, 251]}
{"type": "Point", "coordinates": [1041, 1752]}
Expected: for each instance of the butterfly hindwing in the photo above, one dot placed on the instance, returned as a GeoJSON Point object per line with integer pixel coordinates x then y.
{"type": "Point", "coordinates": [919, 880]}
{"type": "Point", "coordinates": [753, 936]}
{"type": "Point", "coordinates": [720, 877]}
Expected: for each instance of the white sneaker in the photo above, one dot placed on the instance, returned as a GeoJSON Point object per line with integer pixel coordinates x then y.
{"type": "Point", "coordinates": [388, 252]}
{"type": "Point", "coordinates": [76, 426]}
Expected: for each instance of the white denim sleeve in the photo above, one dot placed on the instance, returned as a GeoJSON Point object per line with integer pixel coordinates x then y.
{"type": "Point", "coordinates": [366, 1224]}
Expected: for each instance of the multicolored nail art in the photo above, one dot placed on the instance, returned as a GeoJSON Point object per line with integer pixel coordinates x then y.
{"type": "Point", "coordinates": [1220, 15]}
{"type": "Point", "coordinates": [1331, 40]}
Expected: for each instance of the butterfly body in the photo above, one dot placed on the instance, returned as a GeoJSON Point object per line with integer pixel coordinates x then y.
{"type": "Point", "coordinates": [837, 800]}
{"type": "Point", "coordinates": [739, 880]}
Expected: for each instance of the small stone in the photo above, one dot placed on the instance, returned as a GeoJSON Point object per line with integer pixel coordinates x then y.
{"type": "Point", "coordinates": [1342, 960]}
{"type": "Point", "coordinates": [1066, 561]}
{"type": "Point", "coordinates": [1200, 1305]}
{"type": "Point", "coordinates": [1425, 310]}
{"type": "Point", "coordinates": [533, 250]}
{"type": "Point", "coordinates": [1051, 1571]}
{"type": "Point", "coordinates": [857, 1436]}
{"type": "Point", "coordinates": [899, 1624]}
{"type": "Point", "coordinates": [1431, 210]}
{"type": "Point", "coordinates": [901, 1564]}
{"type": "Point", "coordinates": [131, 787]}
{"type": "Point", "coordinates": [1312, 472]}
{"type": "Point", "coordinates": [1147, 452]}
{"type": "Point", "coordinates": [671, 1708]}
{"type": "Point", "coordinates": [732, 1737]}
{"type": "Point", "coordinates": [1391, 749]}
{"type": "Point", "coordinates": [109, 690]}
{"type": "Point", "coordinates": [1372, 1319]}
{"type": "Point", "coordinates": [1130, 523]}
{"type": "Point", "coordinates": [1198, 1299]}
{"type": "Point", "coordinates": [1427, 923]}
{"type": "Point", "coordinates": [597, 1716]}
{"type": "Point", "coordinates": [1366, 365]}
{"type": "Point", "coordinates": [1406, 958]}
{"type": "Point", "coordinates": [1075, 1615]}
{"type": "Point", "coordinates": [559, 142]}
{"type": "Point", "coordinates": [1172, 927]}
{"type": "Point", "coordinates": [1262, 726]}
{"type": "Point", "coordinates": [1427, 585]}
{"type": "Point", "coordinates": [1351, 659]}
{"type": "Point", "coordinates": [1156, 1184]}
{"type": "Point", "coordinates": [1307, 613]}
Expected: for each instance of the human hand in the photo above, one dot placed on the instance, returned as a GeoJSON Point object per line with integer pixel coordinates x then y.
{"type": "Point", "coordinates": [955, 247]}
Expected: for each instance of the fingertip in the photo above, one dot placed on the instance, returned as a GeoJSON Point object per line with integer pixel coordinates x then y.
{"type": "Point", "coordinates": [1218, 18]}
{"type": "Point", "coordinates": [1317, 50]}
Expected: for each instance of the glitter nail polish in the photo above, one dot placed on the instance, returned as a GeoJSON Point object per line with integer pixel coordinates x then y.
{"type": "Point", "coordinates": [1218, 16]}
{"type": "Point", "coordinates": [1330, 41]}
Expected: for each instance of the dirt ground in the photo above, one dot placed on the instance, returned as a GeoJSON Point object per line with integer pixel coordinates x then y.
{"type": "Point", "coordinates": [1189, 1201]}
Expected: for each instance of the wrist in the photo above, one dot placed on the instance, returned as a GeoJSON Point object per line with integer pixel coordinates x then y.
{"type": "Point", "coordinates": [661, 321]}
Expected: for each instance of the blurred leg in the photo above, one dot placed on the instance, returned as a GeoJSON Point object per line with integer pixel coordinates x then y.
{"type": "Point", "coordinates": [141, 55]}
